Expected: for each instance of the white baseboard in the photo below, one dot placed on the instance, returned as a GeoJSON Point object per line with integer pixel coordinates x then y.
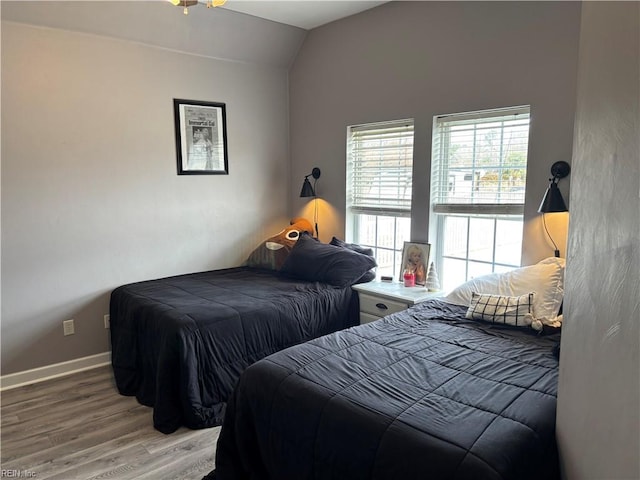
{"type": "Point", "coordinates": [36, 375]}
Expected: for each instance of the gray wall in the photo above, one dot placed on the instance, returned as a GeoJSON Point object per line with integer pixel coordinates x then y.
{"type": "Point", "coordinates": [598, 425]}
{"type": "Point", "coordinates": [420, 59]}
{"type": "Point", "coordinates": [90, 195]}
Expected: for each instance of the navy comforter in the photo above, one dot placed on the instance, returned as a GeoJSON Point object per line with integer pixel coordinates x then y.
{"type": "Point", "coordinates": [179, 344]}
{"type": "Point", "coordinates": [421, 394]}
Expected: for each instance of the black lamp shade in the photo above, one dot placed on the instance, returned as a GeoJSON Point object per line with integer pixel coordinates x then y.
{"type": "Point", "coordinates": [553, 201]}
{"type": "Point", "coordinates": [307, 189]}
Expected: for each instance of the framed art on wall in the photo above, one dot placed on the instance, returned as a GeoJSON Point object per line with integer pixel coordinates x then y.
{"type": "Point", "coordinates": [201, 137]}
{"type": "Point", "coordinates": [415, 259]}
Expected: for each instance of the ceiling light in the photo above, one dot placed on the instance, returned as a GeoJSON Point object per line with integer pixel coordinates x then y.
{"type": "Point", "coordinates": [190, 3]}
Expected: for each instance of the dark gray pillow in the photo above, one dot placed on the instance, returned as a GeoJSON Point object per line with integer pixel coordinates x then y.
{"type": "Point", "coordinates": [352, 246]}
{"type": "Point", "coordinates": [368, 276]}
{"type": "Point", "coordinates": [319, 262]}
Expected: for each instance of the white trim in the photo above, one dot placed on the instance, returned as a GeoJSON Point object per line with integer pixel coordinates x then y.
{"type": "Point", "coordinates": [40, 374]}
{"type": "Point", "coordinates": [492, 209]}
{"type": "Point", "coordinates": [484, 114]}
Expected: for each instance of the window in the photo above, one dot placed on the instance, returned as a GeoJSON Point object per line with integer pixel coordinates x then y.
{"type": "Point", "coordinates": [479, 170]}
{"type": "Point", "coordinates": [379, 182]}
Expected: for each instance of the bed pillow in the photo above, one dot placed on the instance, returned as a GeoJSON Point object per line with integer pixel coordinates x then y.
{"type": "Point", "coordinates": [352, 246]}
{"type": "Point", "coordinates": [545, 278]}
{"type": "Point", "coordinates": [272, 253]}
{"type": "Point", "coordinates": [516, 311]}
{"type": "Point", "coordinates": [368, 276]}
{"type": "Point", "coordinates": [319, 262]}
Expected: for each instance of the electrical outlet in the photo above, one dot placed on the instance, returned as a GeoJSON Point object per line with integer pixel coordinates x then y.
{"type": "Point", "coordinates": [68, 327]}
{"type": "Point", "coordinates": [107, 321]}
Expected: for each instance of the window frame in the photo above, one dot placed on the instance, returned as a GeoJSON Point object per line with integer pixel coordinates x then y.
{"type": "Point", "coordinates": [385, 206]}
{"type": "Point", "coordinates": [512, 211]}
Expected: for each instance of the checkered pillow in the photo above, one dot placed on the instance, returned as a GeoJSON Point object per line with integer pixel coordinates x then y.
{"type": "Point", "coordinates": [516, 311]}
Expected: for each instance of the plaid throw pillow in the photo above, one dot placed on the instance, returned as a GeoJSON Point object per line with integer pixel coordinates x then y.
{"type": "Point", "coordinates": [517, 311]}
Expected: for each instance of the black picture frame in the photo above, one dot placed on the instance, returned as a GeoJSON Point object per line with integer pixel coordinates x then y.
{"type": "Point", "coordinates": [201, 137]}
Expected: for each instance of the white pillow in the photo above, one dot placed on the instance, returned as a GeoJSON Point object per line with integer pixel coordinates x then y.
{"type": "Point", "coordinates": [545, 278]}
{"type": "Point", "coordinates": [516, 311]}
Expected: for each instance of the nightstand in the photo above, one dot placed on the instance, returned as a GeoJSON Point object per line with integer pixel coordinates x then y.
{"type": "Point", "coordinates": [378, 299]}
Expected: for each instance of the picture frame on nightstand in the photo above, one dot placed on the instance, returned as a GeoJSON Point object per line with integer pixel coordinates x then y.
{"type": "Point", "coordinates": [415, 259]}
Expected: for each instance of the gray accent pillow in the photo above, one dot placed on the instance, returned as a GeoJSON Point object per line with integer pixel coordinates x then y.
{"type": "Point", "coordinates": [319, 262]}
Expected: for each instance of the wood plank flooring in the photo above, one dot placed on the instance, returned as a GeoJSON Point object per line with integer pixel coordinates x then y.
{"type": "Point", "coordinates": [80, 427]}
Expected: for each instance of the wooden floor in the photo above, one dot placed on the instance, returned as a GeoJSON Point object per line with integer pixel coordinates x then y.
{"type": "Point", "coordinates": [79, 427]}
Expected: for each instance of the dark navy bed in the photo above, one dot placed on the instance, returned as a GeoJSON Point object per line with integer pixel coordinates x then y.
{"type": "Point", "coordinates": [179, 344]}
{"type": "Point", "coordinates": [420, 394]}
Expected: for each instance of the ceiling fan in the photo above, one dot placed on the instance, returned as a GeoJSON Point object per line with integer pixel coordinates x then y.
{"type": "Point", "coordinates": [190, 3]}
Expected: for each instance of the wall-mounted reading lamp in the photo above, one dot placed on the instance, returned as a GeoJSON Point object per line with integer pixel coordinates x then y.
{"type": "Point", "coordinates": [552, 200]}
{"type": "Point", "coordinates": [307, 189]}
{"type": "Point", "coordinates": [310, 191]}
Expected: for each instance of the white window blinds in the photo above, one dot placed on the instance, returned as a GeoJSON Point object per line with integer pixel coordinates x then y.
{"type": "Point", "coordinates": [479, 162]}
{"type": "Point", "coordinates": [379, 168]}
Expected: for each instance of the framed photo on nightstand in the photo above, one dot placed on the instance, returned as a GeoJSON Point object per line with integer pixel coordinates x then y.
{"type": "Point", "coordinates": [415, 259]}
